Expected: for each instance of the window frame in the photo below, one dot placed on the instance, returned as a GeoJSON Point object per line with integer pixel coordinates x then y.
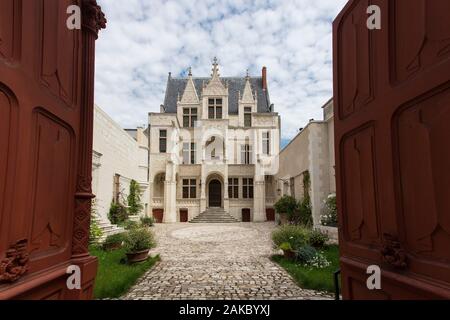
{"type": "Point", "coordinates": [190, 116]}
{"type": "Point", "coordinates": [266, 142]}
{"type": "Point", "coordinates": [189, 188]}
{"type": "Point", "coordinates": [247, 117]}
{"type": "Point", "coordinates": [189, 153]}
{"type": "Point", "coordinates": [161, 140]}
{"type": "Point", "coordinates": [233, 188]}
{"type": "Point", "coordinates": [246, 154]}
{"type": "Point", "coordinates": [214, 107]}
{"type": "Point", "coordinates": [248, 188]}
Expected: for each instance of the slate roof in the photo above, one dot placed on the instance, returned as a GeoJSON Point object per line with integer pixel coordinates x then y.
{"type": "Point", "coordinates": [176, 86]}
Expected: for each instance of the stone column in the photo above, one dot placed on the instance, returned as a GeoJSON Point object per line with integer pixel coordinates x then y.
{"type": "Point", "coordinates": [259, 200]}
{"type": "Point", "coordinates": [226, 196]}
{"type": "Point", "coordinates": [170, 208]}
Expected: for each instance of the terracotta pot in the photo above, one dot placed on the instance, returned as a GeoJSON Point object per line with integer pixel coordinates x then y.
{"type": "Point", "coordinates": [284, 218]}
{"type": "Point", "coordinates": [289, 254]}
{"type": "Point", "coordinates": [139, 256]}
{"type": "Point", "coordinates": [112, 246]}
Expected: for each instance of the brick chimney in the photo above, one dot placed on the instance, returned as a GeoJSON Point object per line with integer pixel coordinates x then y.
{"type": "Point", "coordinates": [264, 78]}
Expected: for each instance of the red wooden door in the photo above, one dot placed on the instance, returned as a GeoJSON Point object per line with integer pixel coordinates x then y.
{"type": "Point", "coordinates": [392, 122]}
{"type": "Point", "coordinates": [246, 217]}
{"type": "Point", "coordinates": [158, 215]}
{"type": "Point", "coordinates": [184, 216]}
{"type": "Point", "coordinates": [46, 104]}
{"type": "Point", "coordinates": [270, 214]}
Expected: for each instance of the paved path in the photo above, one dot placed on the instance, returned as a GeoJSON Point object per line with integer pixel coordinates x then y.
{"type": "Point", "coordinates": [210, 261]}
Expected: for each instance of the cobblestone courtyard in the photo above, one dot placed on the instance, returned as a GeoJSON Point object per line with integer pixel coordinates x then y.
{"type": "Point", "coordinates": [211, 261]}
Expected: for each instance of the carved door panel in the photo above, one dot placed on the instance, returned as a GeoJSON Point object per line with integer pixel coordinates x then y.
{"type": "Point", "coordinates": [44, 145]}
{"type": "Point", "coordinates": [392, 113]}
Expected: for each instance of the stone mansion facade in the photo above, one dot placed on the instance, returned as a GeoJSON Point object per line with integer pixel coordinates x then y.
{"type": "Point", "coordinates": [214, 146]}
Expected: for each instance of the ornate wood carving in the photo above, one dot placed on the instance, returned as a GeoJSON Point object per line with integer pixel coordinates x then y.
{"type": "Point", "coordinates": [15, 264]}
{"type": "Point", "coordinates": [93, 17]}
{"type": "Point", "coordinates": [393, 252]}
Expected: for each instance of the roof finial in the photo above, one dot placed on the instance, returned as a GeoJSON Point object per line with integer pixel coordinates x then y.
{"type": "Point", "coordinates": [215, 69]}
{"type": "Point", "coordinates": [248, 76]}
{"type": "Point", "coordinates": [190, 72]}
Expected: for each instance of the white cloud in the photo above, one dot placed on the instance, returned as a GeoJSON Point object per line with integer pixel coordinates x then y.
{"type": "Point", "coordinates": [145, 39]}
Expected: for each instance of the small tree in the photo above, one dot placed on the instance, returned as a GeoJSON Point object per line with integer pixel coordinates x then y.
{"type": "Point", "coordinates": [95, 232]}
{"type": "Point", "coordinates": [134, 199]}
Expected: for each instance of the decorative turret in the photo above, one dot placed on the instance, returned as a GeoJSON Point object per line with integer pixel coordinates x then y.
{"type": "Point", "coordinates": [190, 93]}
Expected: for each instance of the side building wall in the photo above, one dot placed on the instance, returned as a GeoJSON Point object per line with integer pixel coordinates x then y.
{"type": "Point", "coordinates": [312, 152]}
{"type": "Point", "coordinates": [118, 159]}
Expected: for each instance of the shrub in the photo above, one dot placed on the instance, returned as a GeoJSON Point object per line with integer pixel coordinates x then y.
{"type": "Point", "coordinates": [303, 213]}
{"type": "Point", "coordinates": [117, 213]}
{"type": "Point", "coordinates": [147, 221]}
{"type": "Point", "coordinates": [286, 205]}
{"type": "Point", "coordinates": [319, 261]}
{"type": "Point", "coordinates": [130, 225]}
{"type": "Point", "coordinates": [114, 239]}
{"type": "Point", "coordinates": [317, 238]}
{"type": "Point", "coordinates": [296, 236]}
{"type": "Point", "coordinates": [305, 254]}
{"type": "Point", "coordinates": [134, 199]}
{"type": "Point", "coordinates": [285, 246]}
{"type": "Point", "coordinates": [138, 240]}
{"type": "Point", "coordinates": [329, 219]}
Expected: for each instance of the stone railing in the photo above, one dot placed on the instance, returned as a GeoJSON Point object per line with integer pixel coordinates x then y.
{"type": "Point", "coordinates": [157, 201]}
{"type": "Point", "coordinates": [188, 202]}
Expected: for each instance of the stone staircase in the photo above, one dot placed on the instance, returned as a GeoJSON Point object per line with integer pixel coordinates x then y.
{"type": "Point", "coordinates": [214, 215]}
{"type": "Point", "coordinates": [109, 229]}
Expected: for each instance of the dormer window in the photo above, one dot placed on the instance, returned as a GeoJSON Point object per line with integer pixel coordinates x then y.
{"type": "Point", "coordinates": [215, 108]}
{"type": "Point", "coordinates": [247, 117]}
{"type": "Point", "coordinates": [189, 117]}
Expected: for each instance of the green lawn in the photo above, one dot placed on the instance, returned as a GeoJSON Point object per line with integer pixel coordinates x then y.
{"type": "Point", "coordinates": [115, 278]}
{"type": "Point", "coordinates": [309, 278]}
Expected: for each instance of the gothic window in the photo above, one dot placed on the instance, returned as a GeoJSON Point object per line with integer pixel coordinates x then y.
{"type": "Point", "coordinates": [246, 154]}
{"type": "Point", "coordinates": [189, 188]}
{"type": "Point", "coordinates": [215, 110]}
{"type": "Point", "coordinates": [266, 143]}
{"type": "Point", "coordinates": [162, 141]}
{"type": "Point", "coordinates": [247, 188]}
{"type": "Point", "coordinates": [247, 117]}
{"type": "Point", "coordinates": [233, 188]}
{"type": "Point", "coordinates": [189, 117]}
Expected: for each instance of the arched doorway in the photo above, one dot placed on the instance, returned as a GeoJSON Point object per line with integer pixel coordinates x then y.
{"type": "Point", "coordinates": [215, 194]}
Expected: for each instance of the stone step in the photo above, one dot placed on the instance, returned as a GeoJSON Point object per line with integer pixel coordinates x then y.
{"type": "Point", "coordinates": [214, 215]}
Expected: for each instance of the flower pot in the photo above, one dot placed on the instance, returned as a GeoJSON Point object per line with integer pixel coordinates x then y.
{"type": "Point", "coordinates": [284, 218]}
{"type": "Point", "coordinates": [112, 246]}
{"type": "Point", "coordinates": [289, 254]}
{"type": "Point", "coordinates": [139, 256]}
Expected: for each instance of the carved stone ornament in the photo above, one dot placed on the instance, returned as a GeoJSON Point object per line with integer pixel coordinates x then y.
{"type": "Point", "coordinates": [93, 16]}
{"type": "Point", "coordinates": [393, 253]}
{"type": "Point", "coordinates": [15, 264]}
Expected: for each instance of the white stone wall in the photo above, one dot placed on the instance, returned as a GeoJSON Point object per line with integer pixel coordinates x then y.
{"type": "Point", "coordinates": [311, 150]}
{"type": "Point", "coordinates": [116, 152]}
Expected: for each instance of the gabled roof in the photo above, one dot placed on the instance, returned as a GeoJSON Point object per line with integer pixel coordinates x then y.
{"type": "Point", "coordinates": [176, 86]}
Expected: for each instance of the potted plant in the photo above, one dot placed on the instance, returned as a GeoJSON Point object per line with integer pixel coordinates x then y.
{"type": "Point", "coordinates": [287, 250]}
{"type": "Point", "coordinates": [113, 242]}
{"type": "Point", "coordinates": [147, 221]}
{"type": "Point", "coordinates": [285, 207]}
{"type": "Point", "coordinates": [138, 243]}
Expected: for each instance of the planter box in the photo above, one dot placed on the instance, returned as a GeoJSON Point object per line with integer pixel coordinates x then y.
{"type": "Point", "coordinates": [140, 256]}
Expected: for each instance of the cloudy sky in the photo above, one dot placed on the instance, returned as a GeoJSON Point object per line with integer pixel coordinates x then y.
{"type": "Point", "coordinates": [146, 39]}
